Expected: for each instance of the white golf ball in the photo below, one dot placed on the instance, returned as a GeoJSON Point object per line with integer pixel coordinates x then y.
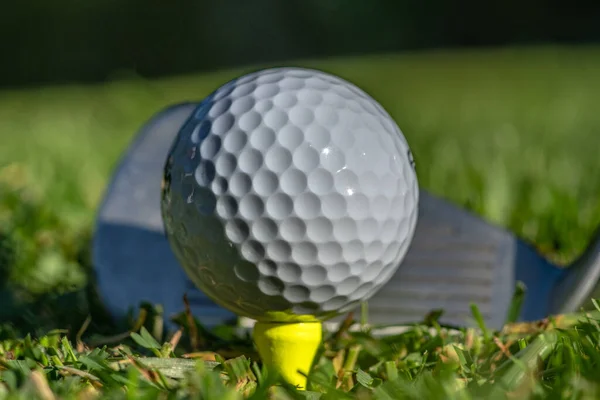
{"type": "Point", "coordinates": [290, 194]}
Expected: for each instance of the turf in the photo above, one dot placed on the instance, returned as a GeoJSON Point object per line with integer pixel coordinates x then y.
{"type": "Point", "coordinates": [508, 133]}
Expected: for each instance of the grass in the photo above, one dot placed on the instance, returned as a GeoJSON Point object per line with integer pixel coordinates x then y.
{"type": "Point", "coordinates": [509, 134]}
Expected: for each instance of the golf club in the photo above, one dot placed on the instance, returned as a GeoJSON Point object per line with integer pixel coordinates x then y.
{"type": "Point", "coordinates": [455, 258]}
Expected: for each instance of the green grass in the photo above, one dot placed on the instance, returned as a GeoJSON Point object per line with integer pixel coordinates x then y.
{"type": "Point", "coordinates": [510, 134]}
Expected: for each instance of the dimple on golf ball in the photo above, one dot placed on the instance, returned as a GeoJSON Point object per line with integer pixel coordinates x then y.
{"type": "Point", "coordinates": [289, 194]}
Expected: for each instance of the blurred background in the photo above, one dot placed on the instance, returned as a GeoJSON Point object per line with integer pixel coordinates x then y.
{"type": "Point", "coordinates": [499, 102]}
{"type": "Point", "coordinates": [71, 41]}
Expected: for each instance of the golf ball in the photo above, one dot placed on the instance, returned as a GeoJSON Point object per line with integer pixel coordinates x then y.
{"type": "Point", "coordinates": [290, 194]}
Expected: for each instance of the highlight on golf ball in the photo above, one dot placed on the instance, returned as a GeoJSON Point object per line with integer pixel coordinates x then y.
{"type": "Point", "coordinates": [289, 195]}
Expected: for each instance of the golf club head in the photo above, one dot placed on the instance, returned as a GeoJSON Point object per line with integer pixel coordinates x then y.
{"type": "Point", "coordinates": [455, 259]}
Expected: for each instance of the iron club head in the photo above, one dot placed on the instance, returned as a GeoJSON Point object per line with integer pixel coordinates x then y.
{"type": "Point", "coordinates": [455, 259]}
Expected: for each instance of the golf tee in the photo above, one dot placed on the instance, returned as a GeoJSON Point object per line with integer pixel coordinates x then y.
{"type": "Point", "coordinates": [288, 348]}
